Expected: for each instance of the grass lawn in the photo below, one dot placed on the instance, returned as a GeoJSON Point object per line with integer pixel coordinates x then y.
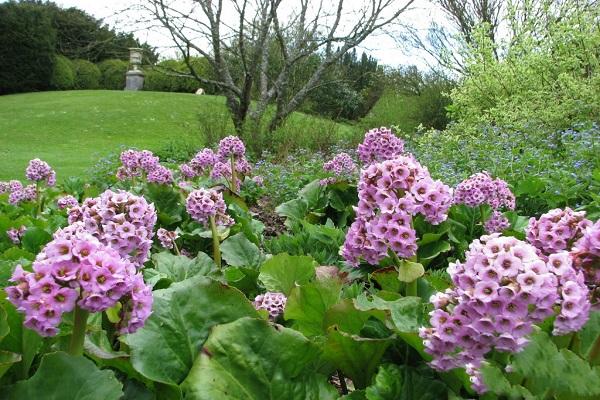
{"type": "Point", "coordinates": [72, 129]}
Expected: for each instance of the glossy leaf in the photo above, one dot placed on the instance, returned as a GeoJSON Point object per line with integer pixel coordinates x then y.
{"type": "Point", "coordinates": [238, 251]}
{"type": "Point", "coordinates": [164, 350]}
{"type": "Point", "coordinates": [62, 376]}
{"type": "Point", "coordinates": [282, 272]}
{"type": "Point", "coordinates": [401, 382]}
{"type": "Point", "coordinates": [250, 359]}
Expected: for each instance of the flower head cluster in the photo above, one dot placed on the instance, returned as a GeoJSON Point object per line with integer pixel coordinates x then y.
{"type": "Point", "coordinates": [120, 220]}
{"type": "Point", "coordinates": [137, 163]}
{"type": "Point", "coordinates": [231, 146]}
{"type": "Point", "coordinates": [258, 180]}
{"type": "Point", "coordinates": [39, 170]}
{"type": "Point", "coordinates": [4, 187]}
{"type": "Point", "coordinates": [78, 271]}
{"type": "Point", "coordinates": [380, 144]}
{"type": "Point", "coordinates": [480, 189]}
{"type": "Point", "coordinates": [202, 204]}
{"type": "Point", "coordinates": [389, 194]}
{"type": "Point", "coordinates": [496, 223]}
{"type": "Point", "coordinates": [20, 193]}
{"type": "Point", "coordinates": [67, 201]}
{"type": "Point", "coordinates": [556, 230]}
{"type": "Point", "coordinates": [200, 165]}
{"type": "Point", "coordinates": [167, 238]}
{"type": "Point", "coordinates": [342, 166]}
{"type": "Point", "coordinates": [273, 302]}
{"type": "Point", "coordinates": [586, 253]}
{"type": "Point", "coordinates": [501, 289]}
{"type": "Point", "coordinates": [16, 234]}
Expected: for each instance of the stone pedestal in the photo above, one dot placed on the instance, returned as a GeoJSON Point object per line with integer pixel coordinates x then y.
{"type": "Point", "coordinates": [134, 80]}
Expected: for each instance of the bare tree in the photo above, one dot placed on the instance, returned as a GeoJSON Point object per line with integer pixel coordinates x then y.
{"type": "Point", "coordinates": [443, 41]}
{"type": "Point", "coordinates": [251, 29]}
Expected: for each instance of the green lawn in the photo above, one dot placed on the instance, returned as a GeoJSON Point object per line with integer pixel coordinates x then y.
{"type": "Point", "coordinates": [72, 129]}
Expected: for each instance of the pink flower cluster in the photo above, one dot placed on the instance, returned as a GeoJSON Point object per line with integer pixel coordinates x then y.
{"type": "Point", "coordinates": [121, 220]}
{"type": "Point", "coordinates": [200, 165]}
{"type": "Point", "coordinates": [496, 223]}
{"type": "Point", "coordinates": [342, 166]}
{"type": "Point", "coordinates": [273, 302]}
{"type": "Point", "coordinates": [67, 201]}
{"type": "Point", "coordinates": [167, 238]}
{"type": "Point", "coordinates": [380, 144]}
{"type": "Point", "coordinates": [20, 193]}
{"type": "Point", "coordinates": [586, 254]}
{"type": "Point", "coordinates": [203, 203]}
{"type": "Point", "coordinates": [139, 163]}
{"type": "Point", "coordinates": [39, 170]}
{"type": "Point", "coordinates": [16, 234]}
{"type": "Point", "coordinates": [501, 289]}
{"type": "Point", "coordinates": [389, 194]}
{"type": "Point", "coordinates": [480, 189]}
{"type": "Point", "coordinates": [556, 230]}
{"type": "Point", "coordinates": [79, 271]}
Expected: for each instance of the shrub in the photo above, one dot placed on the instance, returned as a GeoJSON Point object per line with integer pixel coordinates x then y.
{"type": "Point", "coordinates": [63, 76]}
{"type": "Point", "coordinates": [27, 41]}
{"type": "Point", "coordinates": [163, 77]}
{"type": "Point", "coordinates": [87, 75]}
{"type": "Point", "coordinates": [113, 74]}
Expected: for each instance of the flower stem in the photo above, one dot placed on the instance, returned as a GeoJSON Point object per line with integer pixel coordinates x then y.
{"type": "Point", "coordinates": [176, 248]}
{"type": "Point", "coordinates": [411, 288]}
{"type": "Point", "coordinates": [233, 175]}
{"type": "Point", "coordinates": [78, 335]}
{"type": "Point", "coordinates": [216, 243]}
{"type": "Point", "coordinates": [482, 215]}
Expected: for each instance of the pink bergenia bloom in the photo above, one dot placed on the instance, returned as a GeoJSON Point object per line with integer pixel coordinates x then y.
{"type": "Point", "coordinates": [136, 163]}
{"type": "Point", "coordinates": [390, 193]}
{"type": "Point", "coordinates": [120, 220]}
{"type": "Point", "coordinates": [497, 223]}
{"type": "Point", "coordinates": [79, 271]}
{"type": "Point", "coordinates": [16, 234]}
{"type": "Point", "coordinates": [202, 204]}
{"type": "Point", "coordinates": [380, 144]}
{"type": "Point", "coordinates": [231, 146]}
{"type": "Point", "coordinates": [67, 201]}
{"type": "Point", "coordinates": [273, 302]}
{"type": "Point", "coordinates": [39, 170]}
{"type": "Point", "coordinates": [556, 230]}
{"type": "Point", "coordinates": [167, 238]}
{"type": "Point", "coordinates": [481, 188]}
{"type": "Point", "coordinates": [586, 253]}
{"type": "Point", "coordinates": [501, 289]}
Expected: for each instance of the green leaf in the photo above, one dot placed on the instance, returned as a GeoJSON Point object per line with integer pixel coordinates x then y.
{"type": "Point", "coordinates": [166, 347]}
{"type": "Point", "coordinates": [178, 268]}
{"type": "Point", "coordinates": [307, 305]}
{"type": "Point", "coordinates": [7, 359]}
{"type": "Point", "coordinates": [407, 313]}
{"type": "Point", "coordinates": [387, 278]}
{"type": "Point", "coordinates": [497, 383]}
{"type": "Point", "coordinates": [357, 357]}
{"type": "Point", "coordinates": [409, 271]}
{"type": "Point", "coordinates": [431, 250]}
{"type": "Point", "coordinates": [4, 328]}
{"type": "Point", "coordinates": [282, 272]}
{"type": "Point", "coordinates": [590, 333]}
{"type": "Point", "coordinates": [313, 194]}
{"type": "Point", "coordinates": [294, 209]}
{"type": "Point", "coordinates": [250, 359]}
{"type": "Point", "coordinates": [61, 376]}
{"type": "Point", "coordinates": [34, 238]}
{"type": "Point", "coordinates": [401, 382]}
{"type": "Point", "coordinates": [240, 252]}
{"type": "Point", "coordinates": [346, 317]}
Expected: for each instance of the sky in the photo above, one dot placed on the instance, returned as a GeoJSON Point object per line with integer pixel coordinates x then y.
{"type": "Point", "coordinates": [381, 46]}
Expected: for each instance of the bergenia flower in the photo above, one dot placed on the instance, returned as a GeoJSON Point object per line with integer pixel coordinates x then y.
{"type": "Point", "coordinates": [380, 144]}
{"type": "Point", "coordinates": [138, 163]}
{"type": "Point", "coordinates": [167, 238]}
{"type": "Point", "coordinates": [481, 188]}
{"type": "Point", "coordinates": [501, 289]}
{"type": "Point", "coordinates": [496, 223]}
{"type": "Point", "coordinates": [79, 271]}
{"type": "Point", "coordinates": [202, 204]}
{"type": "Point", "coordinates": [586, 254]}
{"type": "Point", "coordinates": [273, 302]}
{"type": "Point", "coordinates": [120, 220]}
{"type": "Point", "coordinates": [16, 234]}
{"type": "Point", "coordinates": [38, 171]}
{"type": "Point", "coordinates": [342, 166]}
{"type": "Point", "coordinates": [556, 230]}
{"type": "Point", "coordinates": [67, 201]}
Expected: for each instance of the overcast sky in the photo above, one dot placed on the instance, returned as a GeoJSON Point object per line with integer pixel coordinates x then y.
{"type": "Point", "coordinates": [381, 46]}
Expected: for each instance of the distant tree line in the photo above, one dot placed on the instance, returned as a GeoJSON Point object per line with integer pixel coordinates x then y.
{"type": "Point", "coordinates": [46, 47]}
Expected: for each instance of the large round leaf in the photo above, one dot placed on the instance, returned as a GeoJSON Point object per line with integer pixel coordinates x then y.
{"type": "Point", "coordinates": [61, 376]}
{"type": "Point", "coordinates": [250, 359]}
{"type": "Point", "coordinates": [282, 272]}
{"type": "Point", "coordinates": [166, 347]}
